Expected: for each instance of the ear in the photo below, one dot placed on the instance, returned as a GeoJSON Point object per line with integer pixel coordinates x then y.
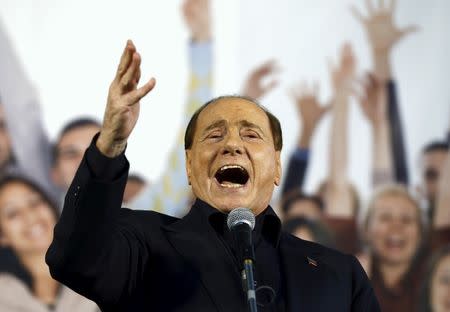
{"type": "Point", "coordinates": [278, 170]}
{"type": "Point", "coordinates": [188, 165]}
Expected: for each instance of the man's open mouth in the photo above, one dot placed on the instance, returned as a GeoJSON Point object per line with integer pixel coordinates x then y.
{"type": "Point", "coordinates": [232, 176]}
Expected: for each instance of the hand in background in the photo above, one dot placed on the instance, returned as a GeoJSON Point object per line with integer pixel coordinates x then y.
{"type": "Point", "coordinates": [343, 74]}
{"type": "Point", "coordinates": [382, 32]}
{"type": "Point", "coordinates": [197, 15]}
{"type": "Point", "coordinates": [261, 80]}
{"type": "Point", "coordinates": [122, 108]}
{"type": "Point", "coordinates": [310, 111]}
{"type": "Point", "coordinates": [373, 100]}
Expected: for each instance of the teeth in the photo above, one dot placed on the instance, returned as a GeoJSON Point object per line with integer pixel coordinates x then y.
{"type": "Point", "coordinates": [231, 167]}
{"type": "Point", "coordinates": [230, 185]}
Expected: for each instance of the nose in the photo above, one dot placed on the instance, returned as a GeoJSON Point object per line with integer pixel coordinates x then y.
{"type": "Point", "coordinates": [233, 145]}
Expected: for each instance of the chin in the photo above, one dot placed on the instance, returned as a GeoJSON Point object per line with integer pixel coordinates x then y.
{"type": "Point", "coordinates": [228, 204]}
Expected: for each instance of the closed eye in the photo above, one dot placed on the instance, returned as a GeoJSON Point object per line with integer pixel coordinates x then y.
{"type": "Point", "coordinates": [251, 135]}
{"type": "Point", "coordinates": [214, 135]}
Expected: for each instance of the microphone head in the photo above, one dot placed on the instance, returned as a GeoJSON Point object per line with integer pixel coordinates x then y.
{"type": "Point", "coordinates": [240, 215]}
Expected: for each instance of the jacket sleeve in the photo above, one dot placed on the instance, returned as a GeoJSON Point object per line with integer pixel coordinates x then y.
{"type": "Point", "coordinates": [98, 248]}
{"type": "Point", "coordinates": [296, 171]}
{"type": "Point", "coordinates": [399, 156]}
{"type": "Point", "coordinates": [363, 295]}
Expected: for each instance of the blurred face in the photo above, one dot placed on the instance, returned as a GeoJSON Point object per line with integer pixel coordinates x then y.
{"type": "Point", "coordinates": [132, 189]}
{"type": "Point", "coordinates": [304, 208]}
{"type": "Point", "coordinates": [304, 233]}
{"type": "Point", "coordinates": [70, 151]}
{"type": "Point", "coordinates": [233, 162]}
{"type": "Point", "coordinates": [432, 166]}
{"type": "Point", "coordinates": [393, 229]}
{"type": "Point", "coordinates": [26, 220]}
{"type": "Point", "coordinates": [5, 144]}
{"type": "Point", "coordinates": [440, 286]}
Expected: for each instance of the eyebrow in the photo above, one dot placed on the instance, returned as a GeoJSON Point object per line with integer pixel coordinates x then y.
{"type": "Point", "coordinates": [216, 124]}
{"type": "Point", "coordinates": [243, 123]}
{"type": "Point", "coordinates": [248, 124]}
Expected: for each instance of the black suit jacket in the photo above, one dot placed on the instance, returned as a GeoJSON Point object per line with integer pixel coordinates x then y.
{"type": "Point", "coordinates": [144, 261]}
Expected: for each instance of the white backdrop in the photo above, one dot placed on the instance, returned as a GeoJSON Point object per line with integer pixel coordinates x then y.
{"type": "Point", "coordinates": [70, 50]}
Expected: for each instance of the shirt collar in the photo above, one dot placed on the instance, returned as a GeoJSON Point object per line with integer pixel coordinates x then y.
{"type": "Point", "coordinates": [268, 225]}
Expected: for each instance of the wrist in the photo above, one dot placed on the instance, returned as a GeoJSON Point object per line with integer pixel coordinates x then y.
{"type": "Point", "coordinates": [201, 37]}
{"type": "Point", "coordinates": [109, 147]}
{"type": "Point", "coordinates": [304, 140]}
{"type": "Point", "coordinates": [382, 65]}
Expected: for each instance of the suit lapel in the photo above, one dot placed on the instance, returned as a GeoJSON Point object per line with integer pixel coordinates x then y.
{"type": "Point", "coordinates": [197, 242]}
{"type": "Point", "coordinates": [305, 277]}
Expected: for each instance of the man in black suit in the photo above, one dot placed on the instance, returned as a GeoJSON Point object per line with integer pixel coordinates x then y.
{"type": "Point", "coordinates": [144, 261]}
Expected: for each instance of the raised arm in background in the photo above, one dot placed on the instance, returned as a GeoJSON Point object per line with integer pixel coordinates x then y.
{"type": "Point", "coordinates": [171, 194]}
{"type": "Point", "coordinates": [261, 80]}
{"type": "Point", "coordinates": [310, 112]}
{"type": "Point", "coordinates": [31, 147]}
{"type": "Point", "coordinates": [338, 194]}
{"type": "Point", "coordinates": [383, 34]}
{"type": "Point", "coordinates": [373, 103]}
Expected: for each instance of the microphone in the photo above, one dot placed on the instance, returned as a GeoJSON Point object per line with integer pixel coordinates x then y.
{"type": "Point", "coordinates": [241, 222]}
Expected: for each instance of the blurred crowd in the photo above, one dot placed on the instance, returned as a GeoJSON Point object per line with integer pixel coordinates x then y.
{"type": "Point", "coordinates": [402, 237]}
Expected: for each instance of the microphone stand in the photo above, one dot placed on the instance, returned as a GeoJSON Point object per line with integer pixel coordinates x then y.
{"type": "Point", "coordinates": [249, 284]}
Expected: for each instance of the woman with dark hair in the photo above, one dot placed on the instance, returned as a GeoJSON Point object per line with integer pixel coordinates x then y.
{"type": "Point", "coordinates": [27, 219]}
{"type": "Point", "coordinates": [436, 290]}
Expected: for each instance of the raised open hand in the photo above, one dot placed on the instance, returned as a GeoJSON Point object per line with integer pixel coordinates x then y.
{"type": "Point", "coordinates": [343, 74]}
{"type": "Point", "coordinates": [261, 80]}
{"type": "Point", "coordinates": [197, 16]}
{"type": "Point", "coordinates": [122, 108]}
{"type": "Point", "coordinates": [308, 106]}
{"type": "Point", "coordinates": [380, 26]}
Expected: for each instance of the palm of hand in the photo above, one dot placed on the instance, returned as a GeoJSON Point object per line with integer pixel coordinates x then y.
{"type": "Point", "coordinates": [382, 32]}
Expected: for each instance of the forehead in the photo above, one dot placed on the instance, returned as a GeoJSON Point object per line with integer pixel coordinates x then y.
{"type": "Point", "coordinates": [394, 202]}
{"type": "Point", "coordinates": [11, 189]}
{"type": "Point", "coordinates": [438, 155]}
{"type": "Point", "coordinates": [233, 110]}
{"type": "Point", "coordinates": [82, 134]}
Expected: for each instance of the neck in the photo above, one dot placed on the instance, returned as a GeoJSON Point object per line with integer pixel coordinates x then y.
{"type": "Point", "coordinates": [393, 273]}
{"type": "Point", "coordinates": [44, 286]}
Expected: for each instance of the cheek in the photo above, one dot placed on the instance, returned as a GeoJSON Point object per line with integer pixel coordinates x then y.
{"type": "Point", "coordinates": [378, 228]}
{"type": "Point", "coordinates": [11, 229]}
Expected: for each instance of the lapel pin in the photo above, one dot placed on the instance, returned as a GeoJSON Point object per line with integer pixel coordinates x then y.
{"type": "Point", "coordinates": [312, 262]}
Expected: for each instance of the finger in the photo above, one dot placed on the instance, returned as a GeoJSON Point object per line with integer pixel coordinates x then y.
{"type": "Point", "coordinates": [135, 96]}
{"type": "Point", "coordinates": [357, 14]}
{"type": "Point", "coordinates": [128, 78]}
{"type": "Point", "coordinates": [391, 6]}
{"type": "Point", "coordinates": [137, 77]}
{"type": "Point", "coordinates": [370, 7]}
{"type": "Point", "coordinates": [270, 86]}
{"type": "Point", "coordinates": [409, 30]}
{"type": "Point", "coordinates": [125, 59]}
{"type": "Point", "coordinates": [266, 68]}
